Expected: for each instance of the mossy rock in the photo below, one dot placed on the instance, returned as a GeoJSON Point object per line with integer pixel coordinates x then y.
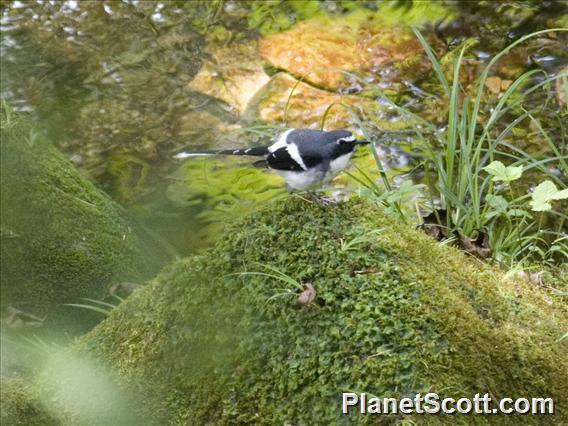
{"type": "Point", "coordinates": [62, 239]}
{"type": "Point", "coordinates": [395, 314]}
{"type": "Point", "coordinates": [21, 406]}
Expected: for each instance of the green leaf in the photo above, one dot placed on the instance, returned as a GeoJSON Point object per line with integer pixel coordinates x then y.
{"type": "Point", "coordinates": [545, 193]}
{"type": "Point", "coordinates": [505, 173]}
{"type": "Point", "coordinates": [498, 203]}
{"type": "Point", "coordinates": [518, 213]}
{"type": "Point", "coordinates": [406, 190]}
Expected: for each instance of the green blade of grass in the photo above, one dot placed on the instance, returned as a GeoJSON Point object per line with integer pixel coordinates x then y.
{"type": "Point", "coordinates": [435, 63]}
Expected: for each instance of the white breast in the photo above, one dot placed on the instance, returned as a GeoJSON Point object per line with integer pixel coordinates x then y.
{"type": "Point", "coordinates": [335, 166]}
{"type": "Point", "coordinates": [302, 180]}
{"type": "Point", "coordinates": [315, 177]}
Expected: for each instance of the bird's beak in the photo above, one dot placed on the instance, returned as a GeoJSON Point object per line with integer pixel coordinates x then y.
{"type": "Point", "coordinates": [362, 142]}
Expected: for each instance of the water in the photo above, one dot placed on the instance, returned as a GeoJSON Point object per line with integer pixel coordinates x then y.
{"type": "Point", "coordinates": [111, 83]}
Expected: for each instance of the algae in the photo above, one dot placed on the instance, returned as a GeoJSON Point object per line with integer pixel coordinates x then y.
{"type": "Point", "coordinates": [220, 339]}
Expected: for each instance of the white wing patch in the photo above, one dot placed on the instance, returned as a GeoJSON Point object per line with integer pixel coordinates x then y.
{"type": "Point", "coordinates": [281, 142]}
{"type": "Point", "coordinates": [292, 149]}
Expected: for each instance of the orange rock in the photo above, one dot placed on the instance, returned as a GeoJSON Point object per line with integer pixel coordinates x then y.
{"type": "Point", "coordinates": [232, 74]}
{"type": "Point", "coordinates": [320, 50]}
{"type": "Point", "coordinates": [315, 50]}
{"type": "Point", "coordinates": [493, 84]}
{"type": "Point", "coordinates": [287, 100]}
{"type": "Point", "coordinates": [505, 84]}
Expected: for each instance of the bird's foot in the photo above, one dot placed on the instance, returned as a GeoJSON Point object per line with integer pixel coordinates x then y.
{"type": "Point", "coordinates": [334, 198]}
{"type": "Point", "coordinates": [319, 197]}
{"type": "Point", "coordinates": [327, 200]}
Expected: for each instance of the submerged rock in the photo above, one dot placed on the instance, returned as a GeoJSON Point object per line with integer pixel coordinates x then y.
{"type": "Point", "coordinates": [233, 74]}
{"type": "Point", "coordinates": [62, 239]}
{"type": "Point", "coordinates": [220, 338]}
{"type": "Point", "coordinates": [323, 49]}
{"type": "Point", "coordinates": [297, 104]}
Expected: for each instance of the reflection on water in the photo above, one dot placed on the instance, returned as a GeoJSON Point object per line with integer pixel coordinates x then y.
{"type": "Point", "coordinates": [113, 83]}
{"type": "Point", "coordinates": [110, 83]}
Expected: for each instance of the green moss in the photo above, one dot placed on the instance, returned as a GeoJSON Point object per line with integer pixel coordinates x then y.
{"type": "Point", "coordinates": [62, 239]}
{"type": "Point", "coordinates": [395, 314]}
{"type": "Point", "coordinates": [270, 17]}
{"type": "Point", "coordinates": [20, 406]}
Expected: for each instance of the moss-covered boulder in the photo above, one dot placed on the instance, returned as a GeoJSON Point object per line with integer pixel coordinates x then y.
{"type": "Point", "coordinates": [62, 239]}
{"type": "Point", "coordinates": [222, 338]}
{"type": "Point", "coordinates": [21, 405]}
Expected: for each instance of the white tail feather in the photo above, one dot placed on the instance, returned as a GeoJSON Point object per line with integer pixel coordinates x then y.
{"type": "Point", "coordinates": [183, 155]}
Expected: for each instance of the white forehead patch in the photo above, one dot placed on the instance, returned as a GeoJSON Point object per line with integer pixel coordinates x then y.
{"type": "Point", "coordinates": [346, 139]}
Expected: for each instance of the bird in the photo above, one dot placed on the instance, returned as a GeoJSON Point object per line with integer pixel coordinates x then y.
{"type": "Point", "coordinates": [305, 158]}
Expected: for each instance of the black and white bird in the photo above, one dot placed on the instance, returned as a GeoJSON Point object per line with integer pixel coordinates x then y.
{"type": "Point", "coordinates": [305, 158]}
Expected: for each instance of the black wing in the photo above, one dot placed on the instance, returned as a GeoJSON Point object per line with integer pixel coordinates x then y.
{"type": "Point", "coordinates": [281, 160]}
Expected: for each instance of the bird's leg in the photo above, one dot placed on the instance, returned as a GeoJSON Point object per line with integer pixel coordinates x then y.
{"type": "Point", "coordinates": [306, 195]}
{"type": "Point", "coordinates": [328, 201]}
{"type": "Point", "coordinates": [325, 200]}
{"type": "Point", "coordinates": [315, 196]}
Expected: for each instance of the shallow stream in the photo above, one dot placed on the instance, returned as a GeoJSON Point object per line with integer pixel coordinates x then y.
{"type": "Point", "coordinates": [121, 86]}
